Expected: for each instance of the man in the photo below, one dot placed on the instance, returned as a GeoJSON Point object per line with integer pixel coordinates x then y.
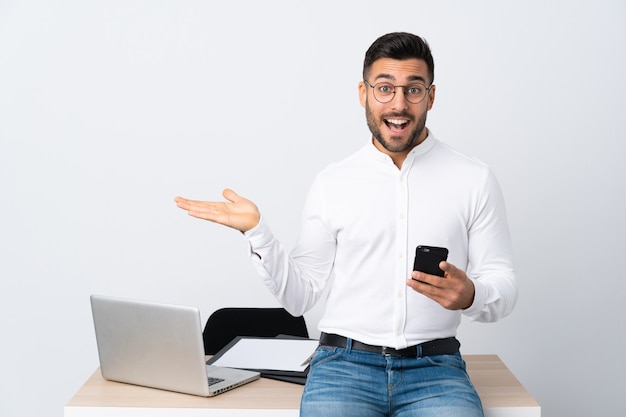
{"type": "Point", "coordinates": [388, 345]}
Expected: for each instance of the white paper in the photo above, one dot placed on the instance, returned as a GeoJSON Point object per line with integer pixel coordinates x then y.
{"type": "Point", "coordinates": [270, 354]}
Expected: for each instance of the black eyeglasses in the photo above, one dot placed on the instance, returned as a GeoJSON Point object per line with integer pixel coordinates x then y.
{"type": "Point", "coordinates": [384, 91]}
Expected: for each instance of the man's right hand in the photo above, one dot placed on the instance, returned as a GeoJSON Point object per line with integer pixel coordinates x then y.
{"type": "Point", "coordinates": [238, 212]}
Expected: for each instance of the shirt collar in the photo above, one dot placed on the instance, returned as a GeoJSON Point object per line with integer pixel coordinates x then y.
{"type": "Point", "coordinates": [419, 150]}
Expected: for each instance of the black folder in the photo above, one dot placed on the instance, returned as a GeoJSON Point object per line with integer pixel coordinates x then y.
{"type": "Point", "coordinates": [296, 377]}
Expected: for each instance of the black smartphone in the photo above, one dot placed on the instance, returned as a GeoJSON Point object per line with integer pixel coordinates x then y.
{"type": "Point", "coordinates": [427, 259]}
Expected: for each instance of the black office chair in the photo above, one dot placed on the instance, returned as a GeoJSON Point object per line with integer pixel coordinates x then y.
{"type": "Point", "coordinates": [227, 323]}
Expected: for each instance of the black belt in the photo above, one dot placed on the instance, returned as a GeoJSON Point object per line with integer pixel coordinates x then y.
{"type": "Point", "coordinates": [447, 346]}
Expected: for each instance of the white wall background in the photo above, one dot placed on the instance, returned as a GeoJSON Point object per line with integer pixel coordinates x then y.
{"type": "Point", "coordinates": [109, 109]}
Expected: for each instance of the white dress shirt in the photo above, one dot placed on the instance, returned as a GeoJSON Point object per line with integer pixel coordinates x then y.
{"type": "Point", "coordinates": [362, 221]}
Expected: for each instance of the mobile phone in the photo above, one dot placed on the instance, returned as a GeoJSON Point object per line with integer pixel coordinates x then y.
{"type": "Point", "coordinates": [427, 259]}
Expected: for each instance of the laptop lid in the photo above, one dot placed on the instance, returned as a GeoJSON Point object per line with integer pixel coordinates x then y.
{"type": "Point", "coordinates": [157, 345]}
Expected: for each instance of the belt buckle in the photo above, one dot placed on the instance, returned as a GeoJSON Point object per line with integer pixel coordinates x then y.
{"type": "Point", "coordinates": [387, 351]}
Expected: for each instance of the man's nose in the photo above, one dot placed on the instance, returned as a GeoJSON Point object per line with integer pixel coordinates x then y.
{"type": "Point", "coordinates": [399, 100]}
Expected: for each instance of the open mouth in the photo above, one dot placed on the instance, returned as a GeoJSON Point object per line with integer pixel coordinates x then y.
{"type": "Point", "coordinates": [396, 125]}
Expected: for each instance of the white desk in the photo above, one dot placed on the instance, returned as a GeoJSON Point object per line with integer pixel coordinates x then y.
{"type": "Point", "coordinates": [501, 393]}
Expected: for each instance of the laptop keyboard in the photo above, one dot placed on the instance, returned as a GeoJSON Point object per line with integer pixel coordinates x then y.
{"type": "Point", "coordinates": [213, 380]}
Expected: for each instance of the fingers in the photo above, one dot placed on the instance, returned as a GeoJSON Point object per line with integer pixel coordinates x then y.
{"type": "Point", "coordinates": [237, 212]}
{"type": "Point", "coordinates": [181, 202]}
{"type": "Point", "coordinates": [448, 268]}
{"type": "Point", "coordinates": [454, 291]}
{"type": "Point", "coordinates": [427, 278]}
{"type": "Point", "coordinates": [187, 204]}
{"type": "Point", "coordinates": [190, 205]}
{"type": "Point", "coordinates": [439, 294]}
{"type": "Point", "coordinates": [230, 195]}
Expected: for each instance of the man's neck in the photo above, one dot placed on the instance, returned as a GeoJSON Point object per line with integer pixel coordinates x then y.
{"type": "Point", "coordinates": [398, 158]}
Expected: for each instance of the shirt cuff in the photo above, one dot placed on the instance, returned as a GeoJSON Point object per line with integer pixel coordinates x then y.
{"type": "Point", "coordinates": [480, 298]}
{"type": "Point", "coordinates": [259, 238]}
{"type": "Point", "coordinates": [260, 241]}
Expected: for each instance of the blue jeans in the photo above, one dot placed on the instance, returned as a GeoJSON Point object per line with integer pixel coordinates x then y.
{"type": "Point", "coordinates": [349, 383]}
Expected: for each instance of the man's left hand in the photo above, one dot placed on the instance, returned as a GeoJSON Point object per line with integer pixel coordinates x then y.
{"type": "Point", "coordinates": [454, 291]}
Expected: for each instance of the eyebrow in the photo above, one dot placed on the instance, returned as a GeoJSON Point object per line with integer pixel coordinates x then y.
{"type": "Point", "coordinates": [392, 78]}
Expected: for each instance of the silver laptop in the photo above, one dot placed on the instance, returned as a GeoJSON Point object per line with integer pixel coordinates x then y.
{"type": "Point", "coordinates": [159, 346]}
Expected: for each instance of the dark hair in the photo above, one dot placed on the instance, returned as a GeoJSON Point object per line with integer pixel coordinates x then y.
{"type": "Point", "coordinates": [400, 46]}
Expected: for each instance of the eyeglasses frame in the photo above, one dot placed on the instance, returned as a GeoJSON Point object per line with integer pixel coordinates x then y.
{"type": "Point", "coordinates": [395, 87]}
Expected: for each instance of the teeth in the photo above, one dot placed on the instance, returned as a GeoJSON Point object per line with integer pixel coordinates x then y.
{"type": "Point", "coordinates": [397, 121]}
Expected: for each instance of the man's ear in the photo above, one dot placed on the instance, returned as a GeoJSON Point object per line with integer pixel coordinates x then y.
{"type": "Point", "coordinates": [362, 93]}
{"type": "Point", "coordinates": [431, 96]}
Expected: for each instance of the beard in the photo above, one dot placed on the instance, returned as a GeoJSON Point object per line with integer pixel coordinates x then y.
{"type": "Point", "coordinates": [395, 143]}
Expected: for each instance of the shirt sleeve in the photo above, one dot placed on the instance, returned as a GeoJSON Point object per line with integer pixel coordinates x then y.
{"type": "Point", "coordinates": [491, 258]}
{"type": "Point", "coordinates": [296, 279]}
